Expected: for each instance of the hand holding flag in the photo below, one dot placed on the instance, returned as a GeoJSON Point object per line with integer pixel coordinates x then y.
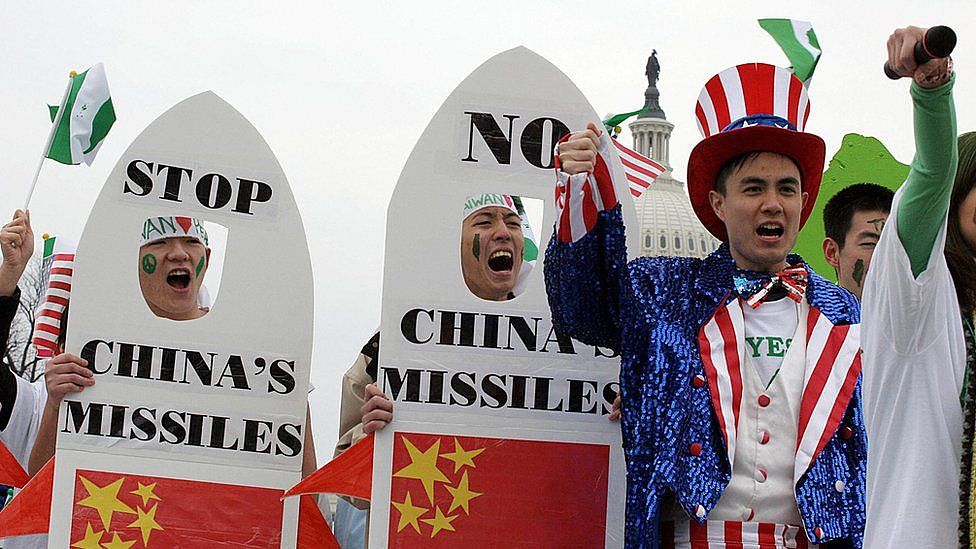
{"type": "Point", "coordinates": [584, 185]}
{"type": "Point", "coordinates": [17, 245]}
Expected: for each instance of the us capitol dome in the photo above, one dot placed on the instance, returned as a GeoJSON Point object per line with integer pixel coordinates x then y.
{"type": "Point", "coordinates": [668, 225]}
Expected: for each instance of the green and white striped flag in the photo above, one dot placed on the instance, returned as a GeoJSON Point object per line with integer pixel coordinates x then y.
{"type": "Point", "coordinates": [83, 120]}
{"type": "Point", "coordinates": [799, 43]}
{"type": "Point", "coordinates": [616, 119]}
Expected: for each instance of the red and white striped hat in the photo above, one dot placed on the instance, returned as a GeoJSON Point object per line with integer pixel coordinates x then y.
{"type": "Point", "coordinates": [752, 107]}
{"type": "Point", "coordinates": [50, 314]}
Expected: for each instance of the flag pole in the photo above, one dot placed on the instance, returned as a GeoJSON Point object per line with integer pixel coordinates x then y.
{"type": "Point", "coordinates": [50, 137]}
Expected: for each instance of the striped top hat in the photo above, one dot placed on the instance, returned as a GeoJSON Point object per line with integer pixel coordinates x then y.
{"type": "Point", "coordinates": [752, 107]}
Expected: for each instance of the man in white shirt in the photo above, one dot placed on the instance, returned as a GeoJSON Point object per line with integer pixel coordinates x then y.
{"type": "Point", "coordinates": [914, 350]}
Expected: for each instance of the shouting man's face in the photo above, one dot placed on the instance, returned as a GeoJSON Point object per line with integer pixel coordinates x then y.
{"type": "Point", "coordinates": [171, 271]}
{"type": "Point", "coordinates": [761, 208]}
{"type": "Point", "coordinates": [491, 252]}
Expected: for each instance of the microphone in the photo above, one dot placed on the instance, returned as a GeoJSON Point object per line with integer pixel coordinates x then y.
{"type": "Point", "coordinates": [936, 43]}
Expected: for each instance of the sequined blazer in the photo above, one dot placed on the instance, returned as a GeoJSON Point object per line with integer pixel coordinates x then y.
{"type": "Point", "coordinates": [654, 311]}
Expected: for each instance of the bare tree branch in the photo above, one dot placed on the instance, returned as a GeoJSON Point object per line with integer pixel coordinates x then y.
{"type": "Point", "coordinates": [22, 328]}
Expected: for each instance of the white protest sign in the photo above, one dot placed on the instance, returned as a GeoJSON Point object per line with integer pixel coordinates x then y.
{"type": "Point", "coordinates": [500, 433]}
{"type": "Point", "coordinates": [193, 428]}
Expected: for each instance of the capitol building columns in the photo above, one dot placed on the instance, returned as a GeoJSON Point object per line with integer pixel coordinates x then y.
{"type": "Point", "coordinates": [668, 225]}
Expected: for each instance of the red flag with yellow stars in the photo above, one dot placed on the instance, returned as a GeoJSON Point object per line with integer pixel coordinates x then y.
{"type": "Point", "coordinates": [461, 491]}
{"type": "Point", "coordinates": [122, 511]}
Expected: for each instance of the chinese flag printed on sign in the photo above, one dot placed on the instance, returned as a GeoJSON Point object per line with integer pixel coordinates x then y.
{"type": "Point", "coordinates": [461, 491]}
{"type": "Point", "coordinates": [121, 511]}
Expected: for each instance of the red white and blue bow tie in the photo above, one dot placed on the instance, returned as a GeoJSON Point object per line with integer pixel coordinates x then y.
{"type": "Point", "coordinates": [754, 287]}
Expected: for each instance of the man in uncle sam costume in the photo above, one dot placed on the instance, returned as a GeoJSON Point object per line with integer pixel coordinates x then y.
{"type": "Point", "coordinates": [733, 436]}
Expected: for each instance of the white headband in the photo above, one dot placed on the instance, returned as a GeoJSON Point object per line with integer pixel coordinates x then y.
{"type": "Point", "coordinates": [174, 226]}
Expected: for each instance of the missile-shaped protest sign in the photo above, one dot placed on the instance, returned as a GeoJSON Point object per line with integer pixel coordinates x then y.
{"type": "Point", "coordinates": [194, 428]}
{"type": "Point", "coordinates": [500, 433]}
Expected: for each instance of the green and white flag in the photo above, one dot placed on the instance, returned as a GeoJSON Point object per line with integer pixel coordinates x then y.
{"type": "Point", "coordinates": [616, 119]}
{"type": "Point", "coordinates": [799, 43]}
{"type": "Point", "coordinates": [47, 259]}
{"type": "Point", "coordinates": [83, 120]}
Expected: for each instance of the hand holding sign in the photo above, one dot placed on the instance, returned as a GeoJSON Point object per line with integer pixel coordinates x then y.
{"type": "Point", "coordinates": [63, 374]}
{"type": "Point", "coordinates": [66, 373]}
{"type": "Point", "coordinates": [377, 411]}
{"type": "Point", "coordinates": [615, 410]}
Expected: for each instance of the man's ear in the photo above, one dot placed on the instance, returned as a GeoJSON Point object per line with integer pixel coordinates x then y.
{"type": "Point", "coordinates": [208, 257]}
{"type": "Point", "coordinates": [717, 200]}
{"type": "Point", "coordinates": [831, 251]}
{"type": "Point", "coordinates": [806, 196]}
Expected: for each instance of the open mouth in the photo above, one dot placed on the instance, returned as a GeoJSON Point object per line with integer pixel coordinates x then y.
{"type": "Point", "coordinates": [501, 261]}
{"type": "Point", "coordinates": [178, 278]}
{"type": "Point", "coordinates": [770, 231]}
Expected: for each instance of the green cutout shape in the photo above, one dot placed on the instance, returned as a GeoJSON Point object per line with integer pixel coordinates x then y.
{"type": "Point", "coordinates": [860, 159]}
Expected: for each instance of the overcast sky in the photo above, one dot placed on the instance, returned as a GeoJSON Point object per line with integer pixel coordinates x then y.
{"type": "Point", "coordinates": [342, 90]}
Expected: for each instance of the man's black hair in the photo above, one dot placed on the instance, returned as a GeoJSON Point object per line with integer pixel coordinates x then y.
{"type": "Point", "coordinates": [861, 197]}
{"type": "Point", "coordinates": [735, 163]}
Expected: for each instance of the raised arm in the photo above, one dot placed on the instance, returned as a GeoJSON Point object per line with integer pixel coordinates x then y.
{"type": "Point", "coordinates": [925, 198]}
{"type": "Point", "coordinates": [586, 260]}
{"type": "Point", "coordinates": [17, 245]}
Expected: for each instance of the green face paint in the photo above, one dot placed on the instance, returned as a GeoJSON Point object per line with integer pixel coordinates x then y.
{"type": "Point", "coordinates": [148, 263]}
{"type": "Point", "coordinates": [200, 264]}
{"type": "Point", "coordinates": [476, 246]}
{"type": "Point", "coordinates": [858, 273]}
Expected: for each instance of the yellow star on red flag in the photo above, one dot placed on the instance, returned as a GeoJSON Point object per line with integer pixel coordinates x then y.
{"type": "Point", "coordinates": [92, 539]}
{"type": "Point", "coordinates": [105, 500]}
{"type": "Point", "coordinates": [119, 543]}
{"type": "Point", "coordinates": [440, 522]}
{"type": "Point", "coordinates": [423, 467]}
{"type": "Point", "coordinates": [462, 457]}
{"type": "Point", "coordinates": [145, 491]}
{"type": "Point", "coordinates": [146, 523]}
{"type": "Point", "coordinates": [409, 513]}
{"type": "Point", "coordinates": [462, 495]}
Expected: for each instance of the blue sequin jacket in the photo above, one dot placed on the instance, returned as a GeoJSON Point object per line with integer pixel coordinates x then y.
{"type": "Point", "coordinates": [651, 310]}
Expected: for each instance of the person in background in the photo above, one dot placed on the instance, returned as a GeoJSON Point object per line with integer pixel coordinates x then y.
{"type": "Point", "coordinates": [853, 219]}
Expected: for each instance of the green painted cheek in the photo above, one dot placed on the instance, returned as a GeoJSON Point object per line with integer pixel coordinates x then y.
{"type": "Point", "coordinates": [148, 263]}
{"type": "Point", "coordinates": [858, 273]}
{"type": "Point", "coordinates": [476, 246]}
{"type": "Point", "coordinates": [200, 264]}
